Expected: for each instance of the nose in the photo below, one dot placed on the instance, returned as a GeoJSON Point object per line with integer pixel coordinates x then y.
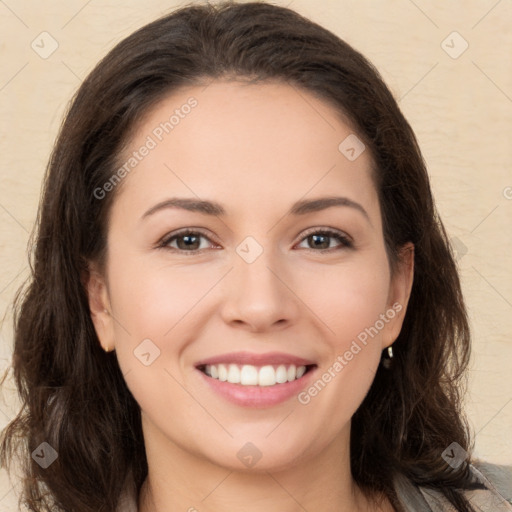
{"type": "Point", "coordinates": [259, 296]}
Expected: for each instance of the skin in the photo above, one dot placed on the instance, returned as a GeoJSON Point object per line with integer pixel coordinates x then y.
{"type": "Point", "coordinates": [256, 149]}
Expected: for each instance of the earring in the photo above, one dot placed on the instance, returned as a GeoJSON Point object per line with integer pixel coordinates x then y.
{"type": "Point", "coordinates": [387, 361]}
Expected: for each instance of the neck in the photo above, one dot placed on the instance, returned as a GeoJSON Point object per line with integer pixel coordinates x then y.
{"type": "Point", "coordinates": [180, 480]}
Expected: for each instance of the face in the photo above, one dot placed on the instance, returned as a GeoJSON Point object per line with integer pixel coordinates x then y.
{"type": "Point", "coordinates": [270, 285]}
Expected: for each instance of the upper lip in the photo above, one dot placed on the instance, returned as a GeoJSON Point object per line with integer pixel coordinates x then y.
{"type": "Point", "coordinates": [268, 358]}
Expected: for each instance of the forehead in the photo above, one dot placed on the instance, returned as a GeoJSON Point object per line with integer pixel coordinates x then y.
{"type": "Point", "coordinates": [246, 141]}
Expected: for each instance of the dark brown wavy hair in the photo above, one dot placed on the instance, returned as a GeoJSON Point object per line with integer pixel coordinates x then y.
{"type": "Point", "coordinates": [74, 396]}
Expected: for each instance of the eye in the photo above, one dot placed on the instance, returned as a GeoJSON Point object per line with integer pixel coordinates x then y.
{"type": "Point", "coordinates": [321, 239]}
{"type": "Point", "coordinates": [187, 241]}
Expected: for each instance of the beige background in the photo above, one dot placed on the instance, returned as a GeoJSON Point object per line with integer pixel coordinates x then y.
{"type": "Point", "coordinates": [460, 109]}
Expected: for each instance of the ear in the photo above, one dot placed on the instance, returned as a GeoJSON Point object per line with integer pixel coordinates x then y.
{"type": "Point", "coordinates": [99, 305]}
{"type": "Point", "coordinates": [399, 293]}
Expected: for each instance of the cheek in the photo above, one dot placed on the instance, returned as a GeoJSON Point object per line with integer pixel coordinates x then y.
{"type": "Point", "coordinates": [155, 310]}
{"type": "Point", "coordinates": [152, 299]}
{"type": "Point", "coordinates": [162, 304]}
{"type": "Point", "coordinates": [347, 299]}
{"type": "Point", "coordinates": [350, 303]}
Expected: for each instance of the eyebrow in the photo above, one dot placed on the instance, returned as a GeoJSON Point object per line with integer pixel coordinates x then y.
{"type": "Point", "coordinates": [301, 207]}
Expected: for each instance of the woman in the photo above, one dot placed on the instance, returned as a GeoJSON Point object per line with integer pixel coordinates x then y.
{"type": "Point", "coordinates": [238, 213]}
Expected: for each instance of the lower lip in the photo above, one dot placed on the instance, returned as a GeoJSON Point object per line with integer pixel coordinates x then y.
{"type": "Point", "coordinates": [258, 396]}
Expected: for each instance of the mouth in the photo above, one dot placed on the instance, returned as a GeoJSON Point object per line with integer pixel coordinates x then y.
{"type": "Point", "coordinates": [252, 375]}
{"type": "Point", "coordinates": [256, 380]}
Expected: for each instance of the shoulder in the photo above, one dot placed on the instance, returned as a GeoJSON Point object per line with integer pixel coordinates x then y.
{"type": "Point", "coordinates": [495, 496]}
{"type": "Point", "coordinates": [495, 477]}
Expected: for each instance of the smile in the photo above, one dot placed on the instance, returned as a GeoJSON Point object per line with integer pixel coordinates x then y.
{"type": "Point", "coordinates": [250, 375]}
{"type": "Point", "coordinates": [248, 379]}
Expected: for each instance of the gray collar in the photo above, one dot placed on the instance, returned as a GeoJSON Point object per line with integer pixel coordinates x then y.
{"type": "Point", "coordinates": [496, 497]}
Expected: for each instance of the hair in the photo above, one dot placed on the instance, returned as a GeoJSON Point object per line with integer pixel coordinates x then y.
{"type": "Point", "coordinates": [74, 396]}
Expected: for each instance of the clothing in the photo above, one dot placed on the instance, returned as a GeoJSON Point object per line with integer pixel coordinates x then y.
{"type": "Point", "coordinates": [497, 497]}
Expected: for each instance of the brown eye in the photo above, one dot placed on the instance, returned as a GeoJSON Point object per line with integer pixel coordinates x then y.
{"type": "Point", "coordinates": [321, 240]}
{"type": "Point", "coordinates": [186, 242]}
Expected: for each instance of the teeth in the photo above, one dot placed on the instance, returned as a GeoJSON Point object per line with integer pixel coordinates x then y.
{"type": "Point", "coordinates": [249, 375]}
{"type": "Point", "coordinates": [234, 374]}
{"type": "Point", "coordinates": [282, 374]}
{"type": "Point", "coordinates": [223, 373]}
{"type": "Point", "coordinates": [267, 376]}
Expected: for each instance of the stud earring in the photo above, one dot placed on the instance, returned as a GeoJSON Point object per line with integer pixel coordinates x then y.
{"type": "Point", "coordinates": [387, 361]}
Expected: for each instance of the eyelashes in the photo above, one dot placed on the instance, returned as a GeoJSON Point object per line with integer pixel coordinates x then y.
{"type": "Point", "coordinates": [189, 235]}
{"type": "Point", "coordinates": [316, 235]}
{"type": "Point", "coordinates": [187, 241]}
